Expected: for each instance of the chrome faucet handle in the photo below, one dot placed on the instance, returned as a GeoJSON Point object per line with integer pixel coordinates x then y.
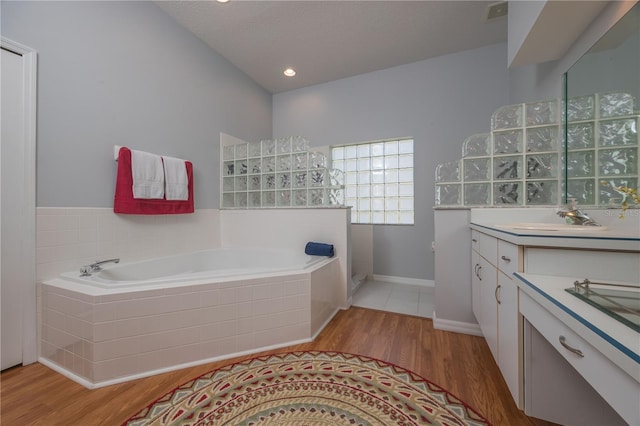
{"type": "Point", "coordinates": [87, 270]}
{"type": "Point", "coordinates": [576, 216]}
{"type": "Point", "coordinates": [95, 266]}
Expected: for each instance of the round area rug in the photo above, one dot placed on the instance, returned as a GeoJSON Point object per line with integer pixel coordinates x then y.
{"type": "Point", "coordinates": [308, 388]}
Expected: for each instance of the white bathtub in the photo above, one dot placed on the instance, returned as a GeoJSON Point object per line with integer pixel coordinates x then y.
{"type": "Point", "coordinates": [137, 319]}
{"type": "Point", "coordinates": [201, 265]}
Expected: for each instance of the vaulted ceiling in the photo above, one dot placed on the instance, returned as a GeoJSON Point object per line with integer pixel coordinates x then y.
{"type": "Point", "coordinates": [330, 40]}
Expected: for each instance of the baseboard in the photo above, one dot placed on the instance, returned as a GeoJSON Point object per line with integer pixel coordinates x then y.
{"type": "Point", "coordinates": [404, 280]}
{"type": "Point", "coordinates": [456, 326]}
{"type": "Point", "coordinates": [324, 324]}
{"type": "Point", "coordinates": [356, 281]}
{"type": "Point", "coordinates": [68, 374]}
{"type": "Point", "coordinates": [95, 385]}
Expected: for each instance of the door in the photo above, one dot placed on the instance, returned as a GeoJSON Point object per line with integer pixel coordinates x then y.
{"type": "Point", "coordinates": [475, 286]}
{"type": "Point", "coordinates": [488, 276]}
{"type": "Point", "coordinates": [12, 207]}
{"type": "Point", "coordinates": [508, 332]}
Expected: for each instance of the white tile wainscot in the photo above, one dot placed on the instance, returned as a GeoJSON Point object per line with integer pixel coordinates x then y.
{"type": "Point", "coordinates": [69, 237]}
{"type": "Point", "coordinates": [99, 337]}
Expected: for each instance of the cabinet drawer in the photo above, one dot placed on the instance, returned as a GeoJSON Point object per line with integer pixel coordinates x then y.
{"type": "Point", "coordinates": [590, 363]}
{"type": "Point", "coordinates": [508, 258]}
{"type": "Point", "coordinates": [486, 245]}
{"type": "Point", "coordinates": [620, 266]}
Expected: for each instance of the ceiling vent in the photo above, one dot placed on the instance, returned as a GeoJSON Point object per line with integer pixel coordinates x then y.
{"type": "Point", "coordinates": [497, 10]}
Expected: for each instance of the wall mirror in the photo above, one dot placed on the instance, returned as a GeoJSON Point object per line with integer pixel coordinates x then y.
{"type": "Point", "coordinates": [601, 117]}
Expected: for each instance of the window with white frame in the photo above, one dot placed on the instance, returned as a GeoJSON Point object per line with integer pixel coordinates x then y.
{"type": "Point", "coordinates": [378, 180]}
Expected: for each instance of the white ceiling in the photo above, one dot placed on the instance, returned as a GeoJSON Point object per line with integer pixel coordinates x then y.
{"type": "Point", "coordinates": [329, 40]}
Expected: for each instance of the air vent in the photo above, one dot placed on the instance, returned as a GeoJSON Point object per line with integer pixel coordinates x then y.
{"type": "Point", "coordinates": [497, 10]}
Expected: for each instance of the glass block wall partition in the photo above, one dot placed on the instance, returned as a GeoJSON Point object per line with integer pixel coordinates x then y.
{"type": "Point", "coordinates": [280, 173]}
{"type": "Point", "coordinates": [602, 146]}
{"type": "Point", "coordinates": [521, 161]}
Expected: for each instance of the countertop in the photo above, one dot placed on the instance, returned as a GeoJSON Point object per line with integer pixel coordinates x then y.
{"type": "Point", "coordinates": [609, 239]}
{"type": "Point", "coordinates": [618, 342]}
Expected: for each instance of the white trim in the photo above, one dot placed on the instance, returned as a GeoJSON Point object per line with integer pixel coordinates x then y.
{"type": "Point", "coordinates": [30, 68]}
{"type": "Point", "coordinates": [90, 385]}
{"type": "Point", "coordinates": [456, 326]}
{"type": "Point", "coordinates": [404, 280]}
{"type": "Point", "coordinates": [324, 324]}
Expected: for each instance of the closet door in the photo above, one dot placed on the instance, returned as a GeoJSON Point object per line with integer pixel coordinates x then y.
{"type": "Point", "coordinates": [12, 208]}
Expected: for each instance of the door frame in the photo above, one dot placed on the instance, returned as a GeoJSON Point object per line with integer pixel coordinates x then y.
{"type": "Point", "coordinates": [29, 299]}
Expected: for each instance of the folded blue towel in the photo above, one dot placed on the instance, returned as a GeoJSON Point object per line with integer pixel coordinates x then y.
{"type": "Point", "coordinates": [319, 249]}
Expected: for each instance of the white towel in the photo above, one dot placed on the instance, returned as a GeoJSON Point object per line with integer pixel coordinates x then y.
{"type": "Point", "coordinates": [148, 175]}
{"type": "Point", "coordinates": [175, 179]}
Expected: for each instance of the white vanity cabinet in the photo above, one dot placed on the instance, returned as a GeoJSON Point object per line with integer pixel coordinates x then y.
{"type": "Point", "coordinates": [523, 326]}
{"type": "Point", "coordinates": [483, 285]}
{"type": "Point", "coordinates": [509, 319]}
{"type": "Point", "coordinates": [495, 303]}
{"type": "Point", "coordinates": [573, 372]}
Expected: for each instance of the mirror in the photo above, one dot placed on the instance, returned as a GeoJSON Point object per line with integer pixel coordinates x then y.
{"type": "Point", "coordinates": [601, 117]}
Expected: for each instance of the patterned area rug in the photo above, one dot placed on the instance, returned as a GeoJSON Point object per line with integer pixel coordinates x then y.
{"type": "Point", "coordinates": [308, 388]}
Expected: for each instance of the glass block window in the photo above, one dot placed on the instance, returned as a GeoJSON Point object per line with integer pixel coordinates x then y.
{"type": "Point", "coordinates": [378, 180]}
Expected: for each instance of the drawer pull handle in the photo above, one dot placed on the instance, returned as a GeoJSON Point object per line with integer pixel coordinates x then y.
{"type": "Point", "coordinates": [569, 348]}
{"type": "Point", "coordinates": [474, 240]}
{"type": "Point", "coordinates": [495, 294]}
{"type": "Point", "coordinates": [506, 259]}
{"type": "Point", "coordinates": [478, 273]}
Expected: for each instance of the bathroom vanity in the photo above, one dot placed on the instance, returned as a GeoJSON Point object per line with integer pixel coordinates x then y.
{"type": "Point", "coordinates": [563, 359]}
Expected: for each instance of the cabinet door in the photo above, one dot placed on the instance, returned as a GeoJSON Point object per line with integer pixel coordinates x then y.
{"type": "Point", "coordinates": [475, 285]}
{"type": "Point", "coordinates": [487, 276]}
{"type": "Point", "coordinates": [509, 343]}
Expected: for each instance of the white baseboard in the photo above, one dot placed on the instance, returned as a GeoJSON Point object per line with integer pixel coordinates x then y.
{"type": "Point", "coordinates": [95, 385]}
{"type": "Point", "coordinates": [456, 326]}
{"type": "Point", "coordinates": [324, 324]}
{"type": "Point", "coordinates": [404, 280]}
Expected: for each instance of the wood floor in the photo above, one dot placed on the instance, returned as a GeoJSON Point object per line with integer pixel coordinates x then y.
{"type": "Point", "coordinates": [462, 364]}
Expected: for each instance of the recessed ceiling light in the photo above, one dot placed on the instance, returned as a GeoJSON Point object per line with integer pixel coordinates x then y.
{"type": "Point", "coordinates": [289, 72]}
{"type": "Point", "coordinates": [222, 1]}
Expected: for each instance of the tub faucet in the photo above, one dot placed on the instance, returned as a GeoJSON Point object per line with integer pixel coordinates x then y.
{"type": "Point", "coordinates": [576, 216]}
{"type": "Point", "coordinates": [87, 270]}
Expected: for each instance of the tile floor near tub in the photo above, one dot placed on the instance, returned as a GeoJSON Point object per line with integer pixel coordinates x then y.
{"type": "Point", "coordinates": [402, 298]}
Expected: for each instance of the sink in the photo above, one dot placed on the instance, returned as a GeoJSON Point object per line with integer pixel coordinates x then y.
{"type": "Point", "coordinates": [541, 226]}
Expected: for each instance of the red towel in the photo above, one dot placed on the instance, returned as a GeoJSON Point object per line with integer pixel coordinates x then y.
{"type": "Point", "coordinates": [123, 201]}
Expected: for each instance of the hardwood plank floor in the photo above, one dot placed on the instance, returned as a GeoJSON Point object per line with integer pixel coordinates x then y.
{"type": "Point", "coordinates": [462, 364]}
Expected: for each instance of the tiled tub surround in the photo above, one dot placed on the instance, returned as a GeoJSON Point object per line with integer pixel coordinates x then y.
{"type": "Point", "coordinates": [292, 229]}
{"type": "Point", "coordinates": [100, 336]}
{"type": "Point", "coordinates": [67, 238]}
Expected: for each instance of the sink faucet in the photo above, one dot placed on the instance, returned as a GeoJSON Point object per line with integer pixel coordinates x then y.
{"type": "Point", "coordinates": [87, 270]}
{"type": "Point", "coordinates": [576, 216]}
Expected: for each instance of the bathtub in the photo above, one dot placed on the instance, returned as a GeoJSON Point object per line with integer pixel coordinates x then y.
{"type": "Point", "coordinates": [137, 319]}
{"type": "Point", "coordinates": [202, 265]}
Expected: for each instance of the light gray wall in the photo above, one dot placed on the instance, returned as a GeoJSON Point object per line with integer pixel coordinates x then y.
{"type": "Point", "coordinates": [522, 18]}
{"type": "Point", "coordinates": [125, 73]}
{"type": "Point", "coordinates": [539, 82]}
{"type": "Point", "coordinates": [439, 102]}
{"type": "Point", "coordinates": [616, 69]}
{"type": "Point", "coordinates": [544, 81]}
